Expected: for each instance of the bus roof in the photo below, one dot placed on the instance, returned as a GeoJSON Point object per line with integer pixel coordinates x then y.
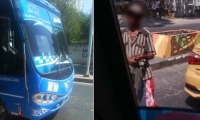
{"type": "Point", "coordinates": [48, 5]}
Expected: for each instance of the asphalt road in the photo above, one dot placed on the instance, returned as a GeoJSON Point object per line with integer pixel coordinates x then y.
{"type": "Point", "coordinates": [192, 26]}
{"type": "Point", "coordinates": [79, 106]}
{"type": "Point", "coordinates": [169, 91]}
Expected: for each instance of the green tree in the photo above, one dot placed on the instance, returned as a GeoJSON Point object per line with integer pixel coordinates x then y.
{"type": "Point", "coordinates": [76, 24]}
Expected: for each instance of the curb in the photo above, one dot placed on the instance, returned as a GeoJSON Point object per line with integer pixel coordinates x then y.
{"type": "Point", "coordinates": [166, 62]}
{"type": "Point", "coordinates": [79, 77]}
{"type": "Point", "coordinates": [83, 80]}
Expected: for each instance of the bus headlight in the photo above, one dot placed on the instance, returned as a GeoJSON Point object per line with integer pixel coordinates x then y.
{"type": "Point", "coordinates": [38, 97]}
{"type": "Point", "coordinates": [44, 98]}
{"type": "Point", "coordinates": [52, 98]}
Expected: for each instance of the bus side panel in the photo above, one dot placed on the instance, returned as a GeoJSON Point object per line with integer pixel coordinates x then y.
{"type": "Point", "coordinates": [12, 92]}
{"type": "Point", "coordinates": [33, 80]}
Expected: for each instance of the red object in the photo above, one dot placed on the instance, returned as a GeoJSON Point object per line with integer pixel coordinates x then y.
{"type": "Point", "coordinates": [178, 116]}
{"type": "Point", "coordinates": [21, 115]}
{"type": "Point", "coordinates": [150, 98]}
{"type": "Point", "coordinates": [193, 59]}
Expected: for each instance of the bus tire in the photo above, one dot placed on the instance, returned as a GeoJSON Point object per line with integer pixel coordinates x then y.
{"type": "Point", "coordinates": [3, 110]}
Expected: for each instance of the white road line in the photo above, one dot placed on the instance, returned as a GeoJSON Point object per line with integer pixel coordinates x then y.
{"type": "Point", "coordinates": [83, 83]}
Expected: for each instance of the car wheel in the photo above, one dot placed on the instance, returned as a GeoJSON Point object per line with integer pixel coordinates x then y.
{"type": "Point", "coordinates": [3, 111]}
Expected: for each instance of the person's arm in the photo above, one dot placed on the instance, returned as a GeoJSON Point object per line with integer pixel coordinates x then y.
{"type": "Point", "coordinates": [147, 56]}
{"type": "Point", "coordinates": [150, 50]}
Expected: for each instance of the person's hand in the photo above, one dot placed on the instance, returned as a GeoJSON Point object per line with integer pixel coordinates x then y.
{"type": "Point", "coordinates": [139, 57]}
{"type": "Point", "coordinates": [131, 61]}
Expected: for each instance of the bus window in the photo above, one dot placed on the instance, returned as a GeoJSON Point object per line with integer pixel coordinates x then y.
{"type": "Point", "coordinates": [165, 48]}
{"type": "Point", "coordinates": [11, 42]}
{"type": "Point", "coordinates": [59, 38]}
{"type": "Point", "coordinates": [11, 47]}
{"type": "Point", "coordinates": [46, 50]}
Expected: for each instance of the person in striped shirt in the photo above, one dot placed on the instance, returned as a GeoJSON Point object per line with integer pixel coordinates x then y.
{"type": "Point", "coordinates": [139, 47]}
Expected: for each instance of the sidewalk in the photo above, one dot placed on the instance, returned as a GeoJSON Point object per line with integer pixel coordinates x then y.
{"type": "Point", "coordinates": [80, 71]}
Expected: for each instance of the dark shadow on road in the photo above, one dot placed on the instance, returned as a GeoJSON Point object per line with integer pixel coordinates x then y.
{"type": "Point", "coordinates": [194, 103]}
{"type": "Point", "coordinates": [15, 118]}
{"type": "Point", "coordinates": [152, 23]}
{"type": "Point", "coordinates": [159, 22]}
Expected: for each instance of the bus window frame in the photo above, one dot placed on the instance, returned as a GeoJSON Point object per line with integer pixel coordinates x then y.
{"type": "Point", "coordinates": [12, 23]}
{"type": "Point", "coordinates": [118, 83]}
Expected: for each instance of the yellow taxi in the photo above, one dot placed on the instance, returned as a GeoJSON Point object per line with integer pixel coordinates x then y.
{"type": "Point", "coordinates": [192, 76]}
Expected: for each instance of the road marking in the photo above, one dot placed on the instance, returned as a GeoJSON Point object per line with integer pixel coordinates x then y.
{"type": "Point", "coordinates": [83, 83]}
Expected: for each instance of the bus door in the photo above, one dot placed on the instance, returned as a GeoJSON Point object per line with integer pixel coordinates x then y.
{"type": "Point", "coordinates": [12, 80]}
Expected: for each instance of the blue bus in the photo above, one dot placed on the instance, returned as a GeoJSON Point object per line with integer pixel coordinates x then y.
{"type": "Point", "coordinates": [36, 73]}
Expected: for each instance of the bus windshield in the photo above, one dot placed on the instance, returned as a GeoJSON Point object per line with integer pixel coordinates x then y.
{"type": "Point", "coordinates": [45, 38]}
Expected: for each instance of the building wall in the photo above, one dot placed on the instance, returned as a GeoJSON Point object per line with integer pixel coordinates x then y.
{"type": "Point", "coordinates": [182, 7]}
{"type": "Point", "coordinates": [79, 53]}
{"type": "Point", "coordinates": [197, 2]}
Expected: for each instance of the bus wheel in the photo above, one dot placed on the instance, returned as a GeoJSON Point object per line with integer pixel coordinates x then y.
{"type": "Point", "coordinates": [3, 112]}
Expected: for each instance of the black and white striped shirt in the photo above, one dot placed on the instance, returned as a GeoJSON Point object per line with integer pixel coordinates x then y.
{"type": "Point", "coordinates": [142, 44]}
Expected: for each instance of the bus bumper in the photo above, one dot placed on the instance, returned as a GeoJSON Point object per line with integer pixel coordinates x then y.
{"type": "Point", "coordinates": [37, 112]}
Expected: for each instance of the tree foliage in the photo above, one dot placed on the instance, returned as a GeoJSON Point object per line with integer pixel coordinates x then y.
{"type": "Point", "coordinates": [76, 24]}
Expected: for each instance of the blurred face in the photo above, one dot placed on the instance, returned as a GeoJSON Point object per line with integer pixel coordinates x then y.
{"type": "Point", "coordinates": [133, 20]}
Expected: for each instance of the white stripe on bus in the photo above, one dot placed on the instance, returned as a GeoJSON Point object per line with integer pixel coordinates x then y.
{"type": "Point", "coordinates": [12, 95]}
{"type": "Point", "coordinates": [48, 63]}
{"type": "Point", "coordinates": [13, 113]}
